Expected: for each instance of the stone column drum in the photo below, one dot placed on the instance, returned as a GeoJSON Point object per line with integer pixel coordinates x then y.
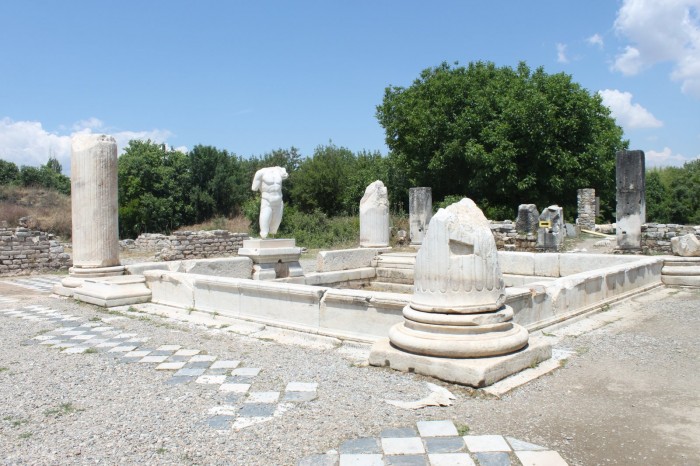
{"type": "Point", "coordinates": [586, 208]}
{"type": "Point", "coordinates": [94, 201]}
{"type": "Point", "coordinates": [457, 326]}
{"type": "Point", "coordinates": [374, 217]}
{"type": "Point", "coordinates": [420, 210]}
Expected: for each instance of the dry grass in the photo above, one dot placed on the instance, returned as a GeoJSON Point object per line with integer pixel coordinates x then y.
{"type": "Point", "coordinates": [48, 210]}
{"type": "Point", "coordinates": [238, 224]}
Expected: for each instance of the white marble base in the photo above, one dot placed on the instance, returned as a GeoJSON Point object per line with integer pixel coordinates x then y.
{"type": "Point", "coordinates": [273, 258]}
{"type": "Point", "coordinates": [114, 291]}
{"type": "Point", "coordinates": [77, 276]}
{"type": "Point", "coordinates": [475, 372]}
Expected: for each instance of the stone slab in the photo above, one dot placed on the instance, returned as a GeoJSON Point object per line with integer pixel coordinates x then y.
{"type": "Point", "coordinates": [259, 243]}
{"type": "Point", "coordinates": [114, 291]}
{"type": "Point", "coordinates": [477, 372]}
{"type": "Point", "coordinates": [346, 259]}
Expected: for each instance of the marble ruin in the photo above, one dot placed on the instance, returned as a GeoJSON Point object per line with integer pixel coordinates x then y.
{"type": "Point", "coordinates": [268, 181]}
{"type": "Point", "coordinates": [631, 203]}
{"type": "Point", "coordinates": [586, 208]}
{"type": "Point", "coordinates": [272, 258]}
{"type": "Point", "coordinates": [374, 217]}
{"type": "Point", "coordinates": [528, 218]}
{"type": "Point", "coordinates": [551, 232]}
{"type": "Point", "coordinates": [420, 210]}
{"type": "Point", "coordinates": [686, 245]}
{"type": "Point", "coordinates": [97, 276]}
{"type": "Point", "coordinates": [457, 326]}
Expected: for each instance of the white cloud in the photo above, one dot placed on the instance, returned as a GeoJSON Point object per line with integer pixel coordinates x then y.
{"type": "Point", "coordinates": [661, 31]}
{"type": "Point", "coordinates": [665, 158]}
{"type": "Point", "coordinates": [596, 39]}
{"type": "Point", "coordinates": [28, 143]}
{"type": "Point", "coordinates": [561, 53]}
{"type": "Point", "coordinates": [627, 114]}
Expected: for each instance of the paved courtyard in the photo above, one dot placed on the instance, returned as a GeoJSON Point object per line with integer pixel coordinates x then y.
{"type": "Point", "coordinates": [83, 385]}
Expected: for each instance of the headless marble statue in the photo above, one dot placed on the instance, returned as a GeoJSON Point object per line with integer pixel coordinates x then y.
{"type": "Point", "coordinates": [269, 182]}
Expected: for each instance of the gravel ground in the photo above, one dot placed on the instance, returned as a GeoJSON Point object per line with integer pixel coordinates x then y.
{"type": "Point", "coordinates": [629, 396]}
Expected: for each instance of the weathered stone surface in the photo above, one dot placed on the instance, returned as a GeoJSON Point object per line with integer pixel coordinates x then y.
{"type": "Point", "coordinates": [94, 201]}
{"type": "Point", "coordinates": [551, 238]}
{"type": "Point", "coordinates": [686, 246]}
{"type": "Point", "coordinates": [586, 209]}
{"type": "Point", "coordinates": [456, 326]}
{"type": "Point", "coordinates": [527, 221]}
{"type": "Point", "coordinates": [346, 259]}
{"type": "Point", "coordinates": [631, 201]}
{"type": "Point", "coordinates": [374, 216]}
{"type": "Point", "coordinates": [420, 210]}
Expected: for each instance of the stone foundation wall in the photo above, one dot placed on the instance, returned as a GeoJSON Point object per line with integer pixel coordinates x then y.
{"type": "Point", "coordinates": [508, 239]}
{"type": "Point", "coordinates": [656, 237]}
{"type": "Point", "coordinates": [23, 251]}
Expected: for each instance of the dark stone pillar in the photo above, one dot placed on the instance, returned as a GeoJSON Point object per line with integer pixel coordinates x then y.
{"type": "Point", "coordinates": [631, 204]}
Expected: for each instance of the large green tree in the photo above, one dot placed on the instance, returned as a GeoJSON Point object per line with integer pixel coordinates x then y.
{"type": "Point", "coordinates": [500, 135]}
{"type": "Point", "coordinates": [154, 187]}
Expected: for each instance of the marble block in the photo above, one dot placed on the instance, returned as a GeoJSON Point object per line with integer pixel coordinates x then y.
{"type": "Point", "coordinates": [374, 217]}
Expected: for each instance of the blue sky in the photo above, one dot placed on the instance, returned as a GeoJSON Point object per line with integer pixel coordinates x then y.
{"type": "Point", "coordinates": [251, 77]}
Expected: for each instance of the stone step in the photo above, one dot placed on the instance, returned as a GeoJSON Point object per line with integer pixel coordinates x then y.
{"type": "Point", "coordinates": [395, 260]}
{"type": "Point", "coordinates": [679, 280]}
{"type": "Point", "coordinates": [392, 287]}
{"type": "Point", "coordinates": [682, 270]}
{"type": "Point", "coordinates": [393, 275]}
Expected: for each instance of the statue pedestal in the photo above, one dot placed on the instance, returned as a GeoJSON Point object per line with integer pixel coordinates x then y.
{"type": "Point", "coordinates": [475, 372]}
{"type": "Point", "coordinates": [114, 291]}
{"type": "Point", "coordinates": [273, 258]}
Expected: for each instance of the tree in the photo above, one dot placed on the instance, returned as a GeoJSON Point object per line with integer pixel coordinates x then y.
{"type": "Point", "coordinates": [321, 180]}
{"type": "Point", "coordinates": [154, 185]}
{"type": "Point", "coordinates": [502, 136]}
{"type": "Point", "coordinates": [219, 184]}
{"type": "Point", "coordinates": [9, 173]}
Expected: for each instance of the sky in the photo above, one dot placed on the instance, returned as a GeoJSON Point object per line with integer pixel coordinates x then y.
{"type": "Point", "coordinates": [254, 76]}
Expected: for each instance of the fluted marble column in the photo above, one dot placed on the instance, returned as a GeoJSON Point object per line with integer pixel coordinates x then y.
{"type": "Point", "coordinates": [374, 217]}
{"type": "Point", "coordinates": [94, 201]}
{"type": "Point", "coordinates": [457, 326]}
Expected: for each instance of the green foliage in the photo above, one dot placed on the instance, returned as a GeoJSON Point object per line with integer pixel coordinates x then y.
{"type": "Point", "coordinates": [154, 186]}
{"type": "Point", "coordinates": [46, 176]}
{"type": "Point", "coordinates": [318, 230]}
{"type": "Point", "coordinates": [321, 180]}
{"type": "Point", "coordinates": [219, 183]}
{"type": "Point", "coordinates": [501, 136]}
{"type": "Point", "coordinates": [673, 194]}
{"type": "Point", "coordinates": [8, 172]}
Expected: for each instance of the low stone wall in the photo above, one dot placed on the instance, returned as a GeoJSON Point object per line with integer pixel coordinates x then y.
{"type": "Point", "coordinates": [187, 244]}
{"type": "Point", "coordinates": [23, 251]}
{"type": "Point", "coordinates": [656, 237]}
{"type": "Point", "coordinates": [200, 244]}
{"type": "Point", "coordinates": [508, 239]}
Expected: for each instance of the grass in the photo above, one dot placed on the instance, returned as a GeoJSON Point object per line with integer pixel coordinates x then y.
{"type": "Point", "coordinates": [62, 410]}
{"type": "Point", "coordinates": [15, 422]}
{"type": "Point", "coordinates": [462, 429]}
{"type": "Point", "coordinates": [25, 435]}
{"type": "Point", "coordinates": [3, 369]}
{"type": "Point", "coordinates": [48, 209]}
{"type": "Point", "coordinates": [90, 351]}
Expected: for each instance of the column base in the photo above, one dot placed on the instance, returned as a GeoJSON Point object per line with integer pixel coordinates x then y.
{"type": "Point", "coordinates": [475, 372]}
{"type": "Point", "coordinates": [77, 276]}
{"type": "Point", "coordinates": [114, 291]}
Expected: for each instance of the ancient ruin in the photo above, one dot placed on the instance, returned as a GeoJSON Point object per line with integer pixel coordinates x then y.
{"type": "Point", "coordinates": [631, 201]}
{"type": "Point", "coordinates": [457, 326]}
{"type": "Point", "coordinates": [374, 217]}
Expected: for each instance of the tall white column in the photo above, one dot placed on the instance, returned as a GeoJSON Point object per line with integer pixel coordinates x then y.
{"type": "Point", "coordinates": [94, 201]}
